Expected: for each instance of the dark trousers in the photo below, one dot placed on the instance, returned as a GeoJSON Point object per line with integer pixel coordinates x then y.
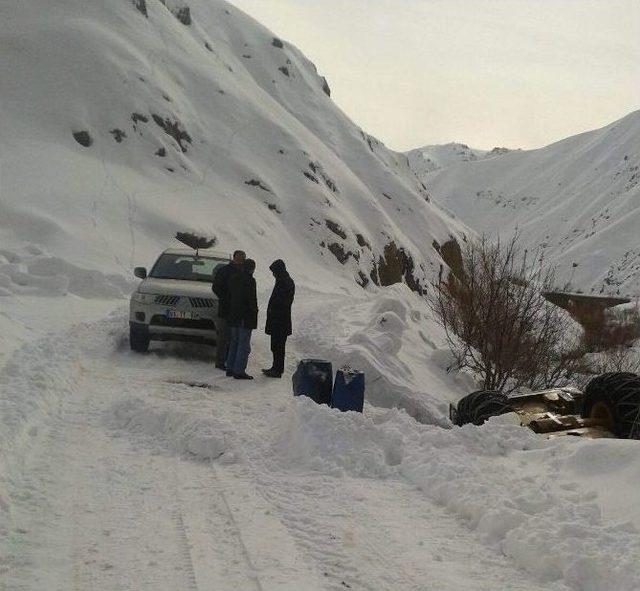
{"type": "Point", "coordinates": [239, 349]}
{"type": "Point", "coordinates": [278, 346]}
{"type": "Point", "coordinates": [222, 340]}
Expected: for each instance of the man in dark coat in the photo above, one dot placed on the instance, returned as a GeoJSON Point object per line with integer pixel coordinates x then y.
{"type": "Point", "coordinates": [242, 318]}
{"type": "Point", "coordinates": [279, 316]}
{"type": "Point", "coordinates": [221, 289]}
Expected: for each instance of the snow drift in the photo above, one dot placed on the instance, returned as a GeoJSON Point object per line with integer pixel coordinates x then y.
{"type": "Point", "coordinates": [205, 437]}
{"type": "Point", "coordinates": [509, 485]}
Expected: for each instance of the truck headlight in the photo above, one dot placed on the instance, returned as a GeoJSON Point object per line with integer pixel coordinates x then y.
{"type": "Point", "coordinates": [142, 298]}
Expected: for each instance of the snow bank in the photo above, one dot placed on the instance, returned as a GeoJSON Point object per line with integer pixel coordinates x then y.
{"type": "Point", "coordinates": [551, 532]}
{"type": "Point", "coordinates": [375, 349]}
{"type": "Point", "coordinates": [320, 439]}
{"type": "Point", "coordinates": [33, 379]}
{"type": "Point", "coordinates": [612, 469]}
{"type": "Point", "coordinates": [29, 270]}
{"type": "Point", "coordinates": [43, 370]}
{"type": "Point", "coordinates": [390, 337]}
{"type": "Point", "coordinates": [31, 383]}
{"type": "Point", "coordinates": [206, 438]}
{"type": "Point", "coordinates": [500, 479]}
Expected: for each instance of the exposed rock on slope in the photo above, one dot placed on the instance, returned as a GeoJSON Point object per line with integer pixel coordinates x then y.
{"type": "Point", "coordinates": [183, 119]}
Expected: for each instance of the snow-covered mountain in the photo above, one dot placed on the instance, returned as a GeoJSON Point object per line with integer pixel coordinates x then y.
{"type": "Point", "coordinates": [429, 158]}
{"type": "Point", "coordinates": [579, 199]}
{"type": "Point", "coordinates": [141, 117]}
{"type": "Point", "coordinates": [123, 121]}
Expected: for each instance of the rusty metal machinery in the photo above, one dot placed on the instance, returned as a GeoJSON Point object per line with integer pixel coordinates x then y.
{"type": "Point", "coordinates": [608, 407]}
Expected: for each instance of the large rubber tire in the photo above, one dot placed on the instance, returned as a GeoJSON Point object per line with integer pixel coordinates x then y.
{"type": "Point", "coordinates": [139, 338]}
{"type": "Point", "coordinates": [479, 406]}
{"type": "Point", "coordinates": [615, 397]}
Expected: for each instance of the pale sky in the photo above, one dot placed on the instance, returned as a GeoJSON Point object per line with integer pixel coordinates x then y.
{"type": "Point", "coordinates": [513, 73]}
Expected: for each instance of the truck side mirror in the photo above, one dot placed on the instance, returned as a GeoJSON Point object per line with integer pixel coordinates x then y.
{"type": "Point", "coordinates": [140, 272]}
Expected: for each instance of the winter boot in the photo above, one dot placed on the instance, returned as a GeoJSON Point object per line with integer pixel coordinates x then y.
{"type": "Point", "coordinates": [242, 376]}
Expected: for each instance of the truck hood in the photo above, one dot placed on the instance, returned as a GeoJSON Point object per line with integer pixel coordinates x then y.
{"type": "Point", "coordinates": [178, 287]}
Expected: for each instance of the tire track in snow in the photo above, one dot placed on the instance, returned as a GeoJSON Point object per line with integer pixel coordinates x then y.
{"type": "Point", "coordinates": [210, 537]}
{"type": "Point", "coordinates": [328, 536]}
{"type": "Point", "coordinates": [98, 513]}
{"type": "Point", "coordinates": [185, 547]}
{"type": "Point", "coordinates": [131, 530]}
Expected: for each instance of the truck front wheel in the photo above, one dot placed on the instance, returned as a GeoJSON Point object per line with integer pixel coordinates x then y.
{"type": "Point", "coordinates": [614, 399]}
{"type": "Point", "coordinates": [139, 338]}
{"type": "Point", "coordinates": [479, 406]}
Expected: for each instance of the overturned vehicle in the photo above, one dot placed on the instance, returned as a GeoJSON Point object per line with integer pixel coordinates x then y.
{"type": "Point", "coordinates": [609, 406]}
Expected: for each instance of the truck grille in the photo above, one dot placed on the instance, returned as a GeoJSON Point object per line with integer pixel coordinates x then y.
{"type": "Point", "coordinates": [202, 302]}
{"type": "Point", "coordinates": [167, 300]}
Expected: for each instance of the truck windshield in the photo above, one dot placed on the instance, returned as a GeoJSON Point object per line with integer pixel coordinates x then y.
{"type": "Point", "coordinates": [186, 267]}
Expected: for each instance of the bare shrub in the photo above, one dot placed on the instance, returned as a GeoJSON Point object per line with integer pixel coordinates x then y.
{"type": "Point", "coordinates": [497, 322]}
{"type": "Point", "coordinates": [611, 346]}
{"type": "Point", "coordinates": [619, 328]}
{"type": "Point", "coordinates": [618, 359]}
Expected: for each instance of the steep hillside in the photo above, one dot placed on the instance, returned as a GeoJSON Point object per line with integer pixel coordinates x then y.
{"type": "Point", "coordinates": [124, 121]}
{"type": "Point", "coordinates": [579, 199]}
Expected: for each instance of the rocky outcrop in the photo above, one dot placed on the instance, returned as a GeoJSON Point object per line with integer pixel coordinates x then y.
{"type": "Point", "coordinates": [83, 138]}
{"type": "Point", "coordinates": [179, 9]}
{"type": "Point", "coordinates": [141, 5]}
{"type": "Point", "coordinates": [394, 266]}
{"type": "Point", "coordinates": [339, 252]}
{"type": "Point", "coordinates": [118, 134]}
{"type": "Point", "coordinates": [451, 253]}
{"type": "Point", "coordinates": [257, 183]}
{"type": "Point", "coordinates": [325, 86]}
{"type": "Point", "coordinates": [173, 129]}
{"type": "Point", "coordinates": [336, 228]}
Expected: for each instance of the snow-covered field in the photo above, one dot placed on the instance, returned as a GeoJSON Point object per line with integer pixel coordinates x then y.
{"type": "Point", "coordinates": [122, 471]}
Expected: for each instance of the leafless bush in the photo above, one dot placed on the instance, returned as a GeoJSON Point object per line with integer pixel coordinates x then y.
{"type": "Point", "coordinates": [618, 329]}
{"type": "Point", "coordinates": [618, 359]}
{"type": "Point", "coordinates": [612, 344]}
{"type": "Point", "coordinates": [497, 322]}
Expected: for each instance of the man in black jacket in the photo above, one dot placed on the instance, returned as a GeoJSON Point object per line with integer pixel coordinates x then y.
{"type": "Point", "coordinates": [279, 316]}
{"type": "Point", "coordinates": [243, 318]}
{"type": "Point", "coordinates": [221, 289]}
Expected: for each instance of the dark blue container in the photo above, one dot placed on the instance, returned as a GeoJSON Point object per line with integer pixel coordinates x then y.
{"type": "Point", "coordinates": [348, 390]}
{"type": "Point", "coordinates": [313, 378]}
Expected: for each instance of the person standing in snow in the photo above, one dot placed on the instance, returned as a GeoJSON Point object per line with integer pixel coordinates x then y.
{"type": "Point", "coordinates": [279, 316]}
{"type": "Point", "coordinates": [243, 318]}
{"type": "Point", "coordinates": [221, 289]}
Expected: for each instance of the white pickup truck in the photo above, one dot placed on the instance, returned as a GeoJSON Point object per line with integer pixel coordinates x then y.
{"type": "Point", "coordinates": [174, 301]}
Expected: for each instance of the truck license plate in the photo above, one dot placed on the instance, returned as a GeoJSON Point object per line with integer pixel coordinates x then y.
{"type": "Point", "coordinates": [179, 314]}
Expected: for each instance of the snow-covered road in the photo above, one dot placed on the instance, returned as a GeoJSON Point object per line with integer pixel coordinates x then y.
{"type": "Point", "coordinates": [121, 471]}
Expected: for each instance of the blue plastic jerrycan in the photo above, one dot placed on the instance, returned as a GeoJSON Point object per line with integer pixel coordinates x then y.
{"type": "Point", "coordinates": [313, 378]}
{"type": "Point", "coordinates": [348, 390]}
